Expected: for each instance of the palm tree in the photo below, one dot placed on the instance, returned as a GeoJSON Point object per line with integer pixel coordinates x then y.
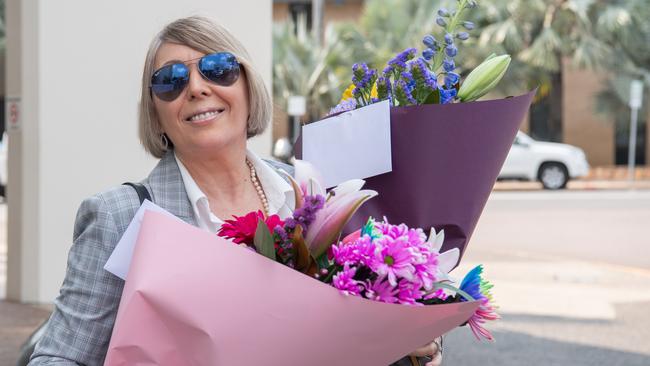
{"type": "Point", "coordinates": [594, 34]}
{"type": "Point", "coordinates": [303, 67]}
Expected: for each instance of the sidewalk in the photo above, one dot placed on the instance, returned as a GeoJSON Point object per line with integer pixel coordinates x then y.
{"type": "Point", "coordinates": [558, 312]}
{"type": "Point", "coordinates": [599, 178]}
{"type": "Point", "coordinates": [17, 322]}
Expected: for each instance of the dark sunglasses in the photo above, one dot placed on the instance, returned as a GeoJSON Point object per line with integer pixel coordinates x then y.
{"type": "Point", "coordinates": [169, 81]}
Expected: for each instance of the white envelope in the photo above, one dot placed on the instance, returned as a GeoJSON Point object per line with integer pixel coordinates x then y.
{"type": "Point", "coordinates": [120, 260]}
{"type": "Point", "coordinates": [351, 145]}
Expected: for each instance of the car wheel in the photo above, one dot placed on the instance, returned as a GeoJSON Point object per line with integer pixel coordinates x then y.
{"type": "Point", "coordinates": [553, 175]}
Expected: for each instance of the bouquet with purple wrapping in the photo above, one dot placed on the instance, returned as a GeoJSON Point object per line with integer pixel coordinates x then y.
{"type": "Point", "coordinates": [447, 148]}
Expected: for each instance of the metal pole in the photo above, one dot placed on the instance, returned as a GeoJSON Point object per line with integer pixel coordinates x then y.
{"type": "Point", "coordinates": [631, 155]}
{"type": "Point", "coordinates": [295, 127]}
{"type": "Point", "coordinates": [317, 19]}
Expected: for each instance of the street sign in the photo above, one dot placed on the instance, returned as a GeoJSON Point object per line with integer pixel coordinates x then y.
{"type": "Point", "coordinates": [296, 105]}
{"type": "Point", "coordinates": [636, 94]}
{"type": "Point", "coordinates": [13, 113]}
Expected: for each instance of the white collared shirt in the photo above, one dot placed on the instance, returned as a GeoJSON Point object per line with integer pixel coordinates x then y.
{"type": "Point", "coordinates": [278, 193]}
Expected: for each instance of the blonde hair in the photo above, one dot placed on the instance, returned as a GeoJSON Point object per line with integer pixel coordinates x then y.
{"type": "Point", "coordinates": [202, 35]}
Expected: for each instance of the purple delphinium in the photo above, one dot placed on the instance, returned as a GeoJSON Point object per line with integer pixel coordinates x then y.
{"type": "Point", "coordinates": [447, 95]}
{"type": "Point", "coordinates": [404, 93]}
{"type": "Point", "coordinates": [425, 80]}
{"type": "Point", "coordinates": [448, 65]}
{"type": "Point", "coordinates": [344, 106]}
{"type": "Point", "coordinates": [451, 78]}
{"type": "Point", "coordinates": [363, 79]}
{"type": "Point", "coordinates": [306, 214]}
{"type": "Point", "coordinates": [383, 88]}
{"type": "Point", "coordinates": [397, 64]}
{"type": "Point", "coordinates": [283, 240]}
{"type": "Point", "coordinates": [428, 54]}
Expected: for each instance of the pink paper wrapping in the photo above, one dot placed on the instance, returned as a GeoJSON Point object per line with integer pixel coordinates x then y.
{"type": "Point", "coordinates": [192, 298]}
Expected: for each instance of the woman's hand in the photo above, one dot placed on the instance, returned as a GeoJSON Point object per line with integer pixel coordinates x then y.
{"type": "Point", "coordinates": [433, 350]}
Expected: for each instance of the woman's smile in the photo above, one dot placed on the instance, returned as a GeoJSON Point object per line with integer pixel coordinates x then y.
{"type": "Point", "coordinates": [204, 116]}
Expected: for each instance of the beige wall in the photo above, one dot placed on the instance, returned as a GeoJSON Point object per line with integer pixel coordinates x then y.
{"type": "Point", "coordinates": [582, 126]}
{"type": "Point", "coordinates": [77, 65]}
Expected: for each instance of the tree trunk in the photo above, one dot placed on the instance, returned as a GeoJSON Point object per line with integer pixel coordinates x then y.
{"type": "Point", "coordinates": [556, 106]}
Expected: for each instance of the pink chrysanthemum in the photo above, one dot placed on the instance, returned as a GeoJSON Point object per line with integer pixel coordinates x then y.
{"type": "Point", "coordinates": [409, 293]}
{"type": "Point", "coordinates": [485, 312]}
{"type": "Point", "coordinates": [358, 252]}
{"type": "Point", "coordinates": [381, 290]}
{"type": "Point", "coordinates": [344, 281]}
{"type": "Point", "coordinates": [393, 258]}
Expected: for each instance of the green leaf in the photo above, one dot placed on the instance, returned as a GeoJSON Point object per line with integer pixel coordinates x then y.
{"type": "Point", "coordinates": [323, 261]}
{"type": "Point", "coordinates": [432, 98]}
{"type": "Point", "coordinates": [264, 240]}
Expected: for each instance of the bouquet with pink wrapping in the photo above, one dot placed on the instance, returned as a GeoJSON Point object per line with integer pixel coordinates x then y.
{"type": "Point", "coordinates": [291, 290]}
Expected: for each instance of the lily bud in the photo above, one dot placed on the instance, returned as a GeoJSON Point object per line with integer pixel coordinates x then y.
{"type": "Point", "coordinates": [483, 78]}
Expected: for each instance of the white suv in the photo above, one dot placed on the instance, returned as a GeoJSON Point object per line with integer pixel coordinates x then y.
{"type": "Point", "coordinates": [551, 163]}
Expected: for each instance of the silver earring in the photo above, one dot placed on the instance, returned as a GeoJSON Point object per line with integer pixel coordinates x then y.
{"type": "Point", "coordinates": [165, 141]}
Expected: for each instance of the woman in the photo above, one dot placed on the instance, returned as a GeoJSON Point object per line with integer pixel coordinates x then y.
{"type": "Point", "coordinates": [201, 100]}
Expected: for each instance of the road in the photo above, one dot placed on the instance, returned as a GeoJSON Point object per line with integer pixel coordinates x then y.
{"type": "Point", "coordinates": [572, 279]}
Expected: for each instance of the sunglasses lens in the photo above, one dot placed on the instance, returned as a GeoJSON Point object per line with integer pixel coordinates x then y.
{"type": "Point", "coordinates": [169, 81]}
{"type": "Point", "coordinates": [220, 68]}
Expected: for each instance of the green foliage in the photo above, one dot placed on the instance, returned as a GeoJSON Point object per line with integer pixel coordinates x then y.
{"type": "Point", "coordinates": [302, 67]}
{"type": "Point", "coordinates": [598, 35]}
{"type": "Point", "coordinates": [605, 35]}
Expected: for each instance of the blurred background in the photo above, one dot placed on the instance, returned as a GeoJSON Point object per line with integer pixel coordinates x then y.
{"type": "Point", "coordinates": [563, 236]}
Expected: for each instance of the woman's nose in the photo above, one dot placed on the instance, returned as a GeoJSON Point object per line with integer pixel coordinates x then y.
{"type": "Point", "coordinates": [197, 87]}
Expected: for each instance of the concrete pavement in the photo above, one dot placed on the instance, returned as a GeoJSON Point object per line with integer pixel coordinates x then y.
{"type": "Point", "coordinates": [572, 278]}
{"type": "Point", "coordinates": [559, 312]}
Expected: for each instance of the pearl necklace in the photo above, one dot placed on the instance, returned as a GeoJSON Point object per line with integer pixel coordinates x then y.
{"type": "Point", "coordinates": [258, 188]}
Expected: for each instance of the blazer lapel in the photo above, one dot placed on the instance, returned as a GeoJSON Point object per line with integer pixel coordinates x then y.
{"type": "Point", "coordinates": [168, 190]}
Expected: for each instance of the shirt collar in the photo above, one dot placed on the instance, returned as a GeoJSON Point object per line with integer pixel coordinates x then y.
{"type": "Point", "coordinates": [278, 192]}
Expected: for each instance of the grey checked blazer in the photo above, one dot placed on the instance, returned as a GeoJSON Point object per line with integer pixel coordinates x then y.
{"type": "Point", "coordinates": [79, 330]}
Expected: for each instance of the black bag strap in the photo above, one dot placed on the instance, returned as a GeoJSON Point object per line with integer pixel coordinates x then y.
{"type": "Point", "coordinates": [143, 193]}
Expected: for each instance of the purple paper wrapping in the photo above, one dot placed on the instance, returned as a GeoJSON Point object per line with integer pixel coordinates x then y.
{"type": "Point", "coordinates": [446, 159]}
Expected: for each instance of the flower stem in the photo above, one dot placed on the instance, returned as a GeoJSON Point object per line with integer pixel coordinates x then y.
{"type": "Point", "coordinates": [450, 28]}
{"type": "Point", "coordinates": [462, 293]}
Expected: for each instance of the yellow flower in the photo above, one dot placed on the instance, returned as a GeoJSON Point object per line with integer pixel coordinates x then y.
{"type": "Point", "coordinates": [347, 94]}
{"type": "Point", "coordinates": [373, 91]}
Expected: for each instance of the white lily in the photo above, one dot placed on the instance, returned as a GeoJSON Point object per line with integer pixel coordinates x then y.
{"type": "Point", "coordinates": [342, 202]}
{"type": "Point", "coordinates": [446, 260]}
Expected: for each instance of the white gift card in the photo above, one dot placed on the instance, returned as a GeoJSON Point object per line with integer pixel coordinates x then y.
{"type": "Point", "coordinates": [120, 260]}
{"type": "Point", "coordinates": [354, 144]}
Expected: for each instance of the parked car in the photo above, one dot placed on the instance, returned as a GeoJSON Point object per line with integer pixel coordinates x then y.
{"type": "Point", "coordinates": [3, 164]}
{"type": "Point", "coordinates": [552, 164]}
